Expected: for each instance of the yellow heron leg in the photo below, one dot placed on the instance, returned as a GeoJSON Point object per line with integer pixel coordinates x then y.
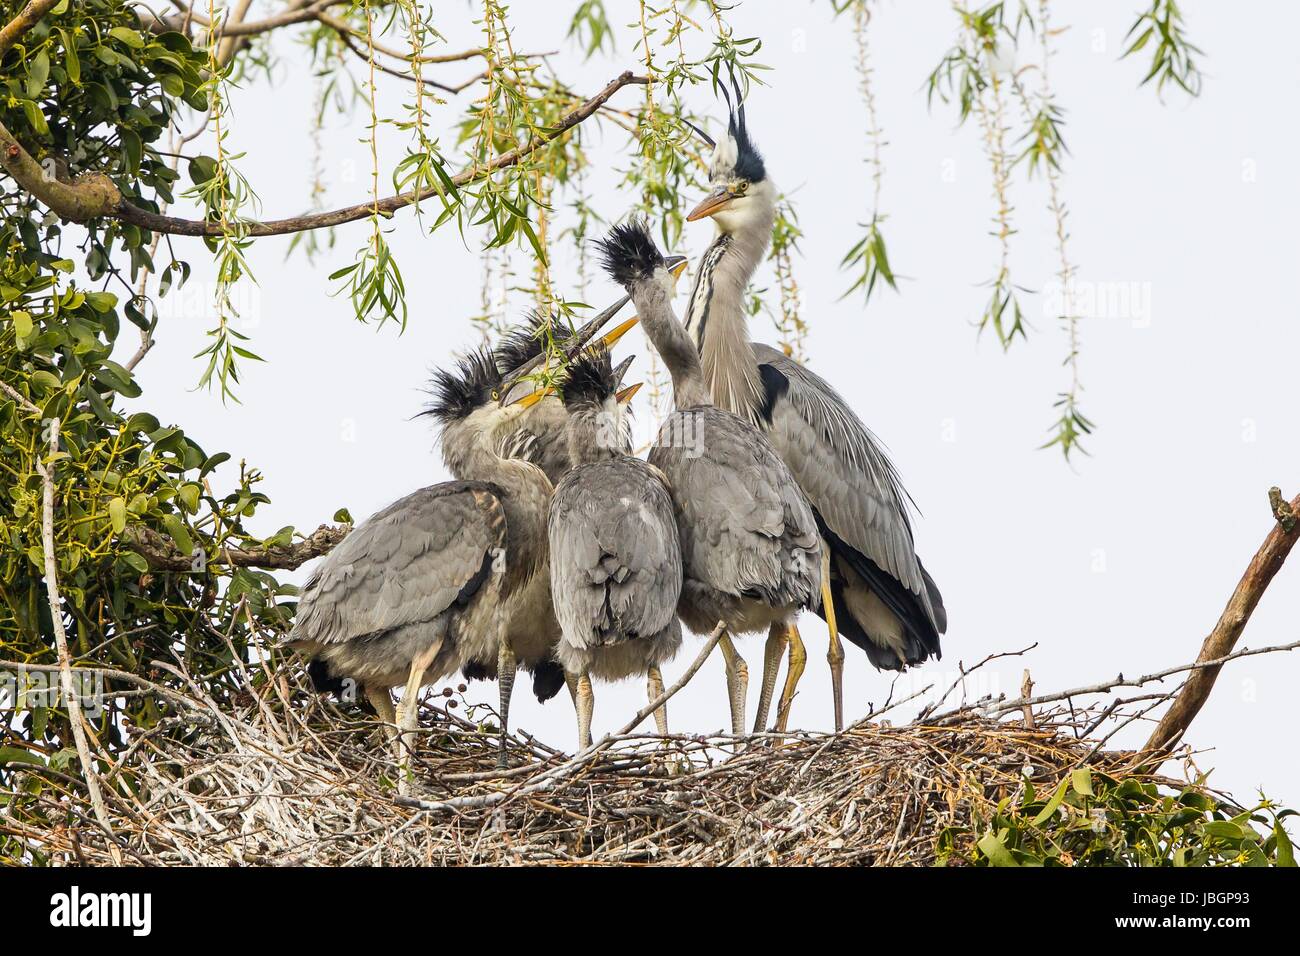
{"type": "Point", "coordinates": [408, 711]}
{"type": "Point", "coordinates": [835, 650]}
{"type": "Point", "coordinates": [798, 657]}
{"type": "Point", "coordinates": [773, 651]}
{"type": "Point", "coordinates": [737, 683]}
{"type": "Point", "coordinates": [654, 689]}
{"type": "Point", "coordinates": [586, 704]}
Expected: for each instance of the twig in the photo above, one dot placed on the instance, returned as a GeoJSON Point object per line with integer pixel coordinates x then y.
{"type": "Point", "coordinates": [548, 780]}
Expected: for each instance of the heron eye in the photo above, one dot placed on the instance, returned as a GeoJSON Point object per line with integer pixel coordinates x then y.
{"type": "Point", "coordinates": [740, 187]}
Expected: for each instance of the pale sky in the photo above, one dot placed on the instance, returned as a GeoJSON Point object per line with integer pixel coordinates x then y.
{"type": "Point", "coordinates": [1180, 213]}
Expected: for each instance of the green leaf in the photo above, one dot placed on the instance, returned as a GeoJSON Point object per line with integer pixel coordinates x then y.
{"type": "Point", "coordinates": [22, 323]}
{"type": "Point", "coordinates": [179, 533]}
{"type": "Point", "coordinates": [128, 36]}
{"type": "Point", "coordinates": [343, 516]}
{"type": "Point", "coordinates": [117, 514]}
{"type": "Point", "coordinates": [10, 755]}
{"type": "Point", "coordinates": [101, 301]}
{"type": "Point", "coordinates": [996, 851]}
{"type": "Point", "coordinates": [70, 61]}
{"type": "Point", "coordinates": [1081, 780]}
{"type": "Point", "coordinates": [1285, 851]}
{"type": "Point", "coordinates": [1052, 806]}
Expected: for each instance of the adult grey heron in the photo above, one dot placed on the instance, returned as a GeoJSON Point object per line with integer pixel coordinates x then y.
{"type": "Point", "coordinates": [616, 563]}
{"type": "Point", "coordinates": [888, 604]}
{"type": "Point", "coordinates": [750, 549]}
{"type": "Point", "coordinates": [438, 578]}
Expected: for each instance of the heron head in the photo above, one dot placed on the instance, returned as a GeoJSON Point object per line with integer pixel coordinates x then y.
{"type": "Point", "coordinates": [741, 194]}
{"type": "Point", "coordinates": [596, 405]}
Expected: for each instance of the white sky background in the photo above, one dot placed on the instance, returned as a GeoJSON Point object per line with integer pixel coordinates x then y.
{"type": "Point", "coordinates": [1122, 563]}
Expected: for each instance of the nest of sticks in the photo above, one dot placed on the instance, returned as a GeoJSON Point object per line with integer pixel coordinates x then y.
{"type": "Point", "coordinates": [287, 778]}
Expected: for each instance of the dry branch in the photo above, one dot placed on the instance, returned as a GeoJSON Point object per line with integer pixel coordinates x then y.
{"type": "Point", "coordinates": [1221, 640]}
{"type": "Point", "coordinates": [163, 555]}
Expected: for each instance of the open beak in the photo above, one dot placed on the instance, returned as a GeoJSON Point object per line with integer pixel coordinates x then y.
{"type": "Point", "coordinates": [621, 369]}
{"type": "Point", "coordinates": [625, 395]}
{"type": "Point", "coordinates": [532, 398]}
{"type": "Point", "coordinates": [675, 265]}
{"type": "Point", "coordinates": [712, 203]}
{"type": "Point", "coordinates": [611, 338]}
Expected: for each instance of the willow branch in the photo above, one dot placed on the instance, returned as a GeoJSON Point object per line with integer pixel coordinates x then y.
{"type": "Point", "coordinates": [94, 195]}
{"type": "Point", "coordinates": [163, 555]}
{"type": "Point", "coordinates": [1227, 631]}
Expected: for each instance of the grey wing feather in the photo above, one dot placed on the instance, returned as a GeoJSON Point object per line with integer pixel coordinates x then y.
{"type": "Point", "coordinates": [847, 476]}
{"type": "Point", "coordinates": [746, 527]}
{"type": "Point", "coordinates": [616, 569]}
{"type": "Point", "coordinates": [404, 565]}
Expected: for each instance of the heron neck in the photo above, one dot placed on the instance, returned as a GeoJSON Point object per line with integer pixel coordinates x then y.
{"type": "Point", "coordinates": [716, 317]}
{"type": "Point", "coordinates": [672, 343]}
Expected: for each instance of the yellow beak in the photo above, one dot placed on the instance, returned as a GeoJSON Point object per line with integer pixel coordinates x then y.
{"type": "Point", "coordinates": [711, 203]}
{"type": "Point", "coordinates": [625, 395]}
{"type": "Point", "coordinates": [532, 398]}
{"type": "Point", "coordinates": [620, 330]}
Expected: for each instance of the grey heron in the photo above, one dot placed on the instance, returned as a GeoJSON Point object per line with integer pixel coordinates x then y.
{"type": "Point", "coordinates": [438, 578]}
{"type": "Point", "coordinates": [888, 604]}
{"type": "Point", "coordinates": [616, 563]}
{"type": "Point", "coordinates": [750, 548]}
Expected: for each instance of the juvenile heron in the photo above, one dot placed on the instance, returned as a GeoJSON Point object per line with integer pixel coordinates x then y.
{"type": "Point", "coordinates": [750, 548]}
{"type": "Point", "coordinates": [616, 563]}
{"type": "Point", "coordinates": [888, 604]}
{"type": "Point", "coordinates": [438, 578]}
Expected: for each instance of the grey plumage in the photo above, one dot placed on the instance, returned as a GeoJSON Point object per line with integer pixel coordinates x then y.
{"type": "Point", "coordinates": [413, 572]}
{"type": "Point", "coordinates": [750, 549]}
{"type": "Point", "coordinates": [616, 566]}
{"type": "Point", "coordinates": [453, 575]}
{"type": "Point", "coordinates": [616, 569]}
{"type": "Point", "coordinates": [887, 603]}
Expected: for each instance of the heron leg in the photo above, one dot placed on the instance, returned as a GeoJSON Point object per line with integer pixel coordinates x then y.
{"type": "Point", "coordinates": [506, 667]}
{"type": "Point", "coordinates": [654, 690]}
{"type": "Point", "coordinates": [382, 701]}
{"type": "Point", "coordinates": [571, 682]}
{"type": "Point", "coordinates": [772, 654]}
{"type": "Point", "coordinates": [408, 711]}
{"type": "Point", "coordinates": [586, 703]}
{"type": "Point", "coordinates": [737, 683]}
{"type": "Point", "coordinates": [798, 657]}
{"type": "Point", "coordinates": [834, 650]}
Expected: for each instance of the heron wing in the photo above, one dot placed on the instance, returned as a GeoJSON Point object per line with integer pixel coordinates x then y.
{"type": "Point", "coordinates": [853, 486]}
{"type": "Point", "coordinates": [746, 528]}
{"type": "Point", "coordinates": [616, 567]}
{"type": "Point", "coordinates": [406, 564]}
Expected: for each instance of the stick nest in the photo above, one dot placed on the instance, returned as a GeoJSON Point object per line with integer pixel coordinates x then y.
{"type": "Point", "coordinates": [288, 779]}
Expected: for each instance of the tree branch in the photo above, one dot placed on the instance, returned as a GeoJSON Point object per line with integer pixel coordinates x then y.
{"type": "Point", "coordinates": [163, 555]}
{"type": "Point", "coordinates": [71, 693]}
{"type": "Point", "coordinates": [27, 18]}
{"type": "Point", "coordinates": [94, 196]}
{"type": "Point", "coordinates": [1266, 563]}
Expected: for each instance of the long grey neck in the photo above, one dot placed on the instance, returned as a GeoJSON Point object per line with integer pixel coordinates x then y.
{"type": "Point", "coordinates": [671, 341]}
{"type": "Point", "coordinates": [594, 434]}
{"type": "Point", "coordinates": [716, 322]}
